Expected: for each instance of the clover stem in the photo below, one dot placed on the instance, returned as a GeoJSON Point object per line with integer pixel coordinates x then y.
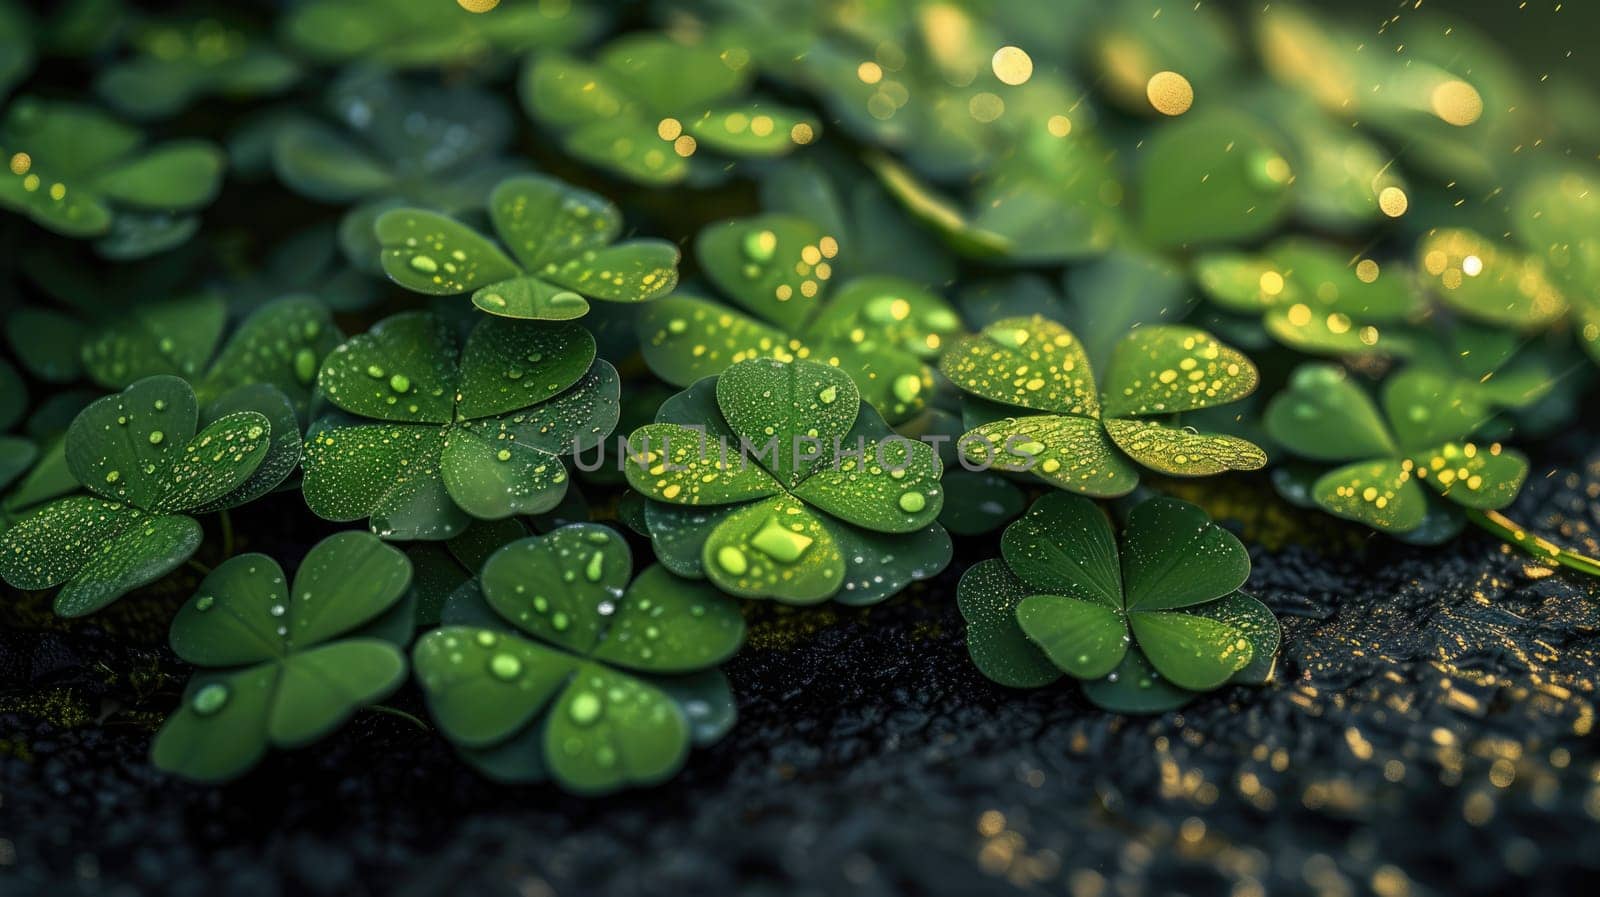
{"type": "Point", "coordinates": [227, 532]}
{"type": "Point", "coordinates": [1513, 533]}
{"type": "Point", "coordinates": [198, 567]}
{"type": "Point", "coordinates": [395, 711]}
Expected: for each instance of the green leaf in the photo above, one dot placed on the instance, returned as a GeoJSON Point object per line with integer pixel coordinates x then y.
{"type": "Point", "coordinates": [544, 220]}
{"type": "Point", "coordinates": [774, 548]}
{"type": "Point", "coordinates": [1174, 556]}
{"type": "Point", "coordinates": [57, 542]}
{"type": "Point", "coordinates": [1324, 416]}
{"type": "Point", "coordinates": [47, 343]}
{"type": "Point", "coordinates": [557, 586]}
{"type": "Point", "coordinates": [319, 689]}
{"type": "Point", "coordinates": [1426, 408]}
{"type": "Point", "coordinates": [1474, 475]}
{"type": "Point", "coordinates": [784, 409]}
{"type": "Point", "coordinates": [1135, 687]}
{"type": "Point", "coordinates": [1027, 362]}
{"type": "Point", "coordinates": [988, 596]}
{"type": "Point", "coordinates": [1065, 451]}
{"type": "Point", "coordinates": [609, 730]}
{"type": "Point", "coordinates": [1065, 545]}
{"type": "Point", "coordinates": [1255, 622]}
{"type": "Point", "coordinates": [112, 446]}
{"type": "Point", "coordinates": [1489, 282]}
{"type": "Point", "coordinates": [775, 266]}
{"type": "Point", "coordinates": [483, 686]}
{"type": "Point", "coordinates": [684, 338]}
{"type": "Point", "coordinates": [1129, 289]}
{"type": "Point", "coordinates": [413, 350]}
{"type": "Point", "coordinates": [491, 476]}
{"type": "Point", "coordinates": [1084, 638]}
{"type": "Point", "coordinates": [234, 616]}
{"type": "Point", "coordinates": [1183, 451]}
{"type": "Point", "coordinates": [283, 447]}
{"type": "Point", "coordinates": [664, 624]}
{"type": "Point", "coordinates": [389, 473]}
{"type": "Point", "coordinates": [706, 701]}
{"type": "Point", "coordinates": [878, 565]}
{"type": "Point", "coordinates": [1167, 369]}
{"type": "Point", "coordinates": [1382, 494]}
{"type": "Point", "coordinates": [220, 729]}
{"type": "Point", "coordinates": [16, 456]}
{"type": "Point", "coordinates": [673, 463]}
{"type": "Point", "coordinates": [176, 176]}
{"type": "Point", "coordinates": [1211, 178]}
{"type": "Point", "coordinates": [566, 92]}
{"type": "Point", "coordinates": [218, 460]}
{"type": "Point", "coordinates": [1189, 650]}
{"type": "Point", "coordinates": [509, 365]}
{"type": "Point", "coordinates": [891, 486]}
{"type": "Point", "coordinates": [635, 271]}
{"type": "Point", "coordinates": [666, 75]}
{"type": "Point", "coordinates": [629, 146]}
{"type": "Point", "coordinates": [319, 162]}
{"type": "Point", "coordinates": [752, 129]}
{"type": "Point", "coordinates": [437, 255]}
{"type": "Point", "coordinates": [530, 298]}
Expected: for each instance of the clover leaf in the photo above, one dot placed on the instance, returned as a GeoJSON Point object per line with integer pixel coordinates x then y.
{"type": "Point", "coordinates": [1315, 297]}
{"type": "Point", "coordinates": [406, 34]}
{"type": "Point", "coordinates": [394, 143]}
{"type": "Point", "coordinates": [580, 675]}
{"type": "Point", "coordinates": [438, 433]}
{"type": "Point", "coordinates": [883, 331]}
{"type": "Point", "coordinates": [179, 62]}
{"type": "Point", "coordinates": [76, 171]}
{"type": "Point", "coordinates": [648, 104]}
{"type": "Point", "coordinates": [1557, 214]}
{"type": "Point", "coordinates": [1082, 436]}
{"type": "Point", "coordinates": [148, 463]}
{"type": "Point", "coordinates": [1421, 435]}
{"type": "Point", "coordinates": [1211, 177]}
{"type": "Point", "coordinates": [1488, 282]}
{"type": "Point", "coordinates": [563, 252]}
{"type": "Point", "coordinates": [285, 664]}
{"type": "Point", "coordinates": [776, 480]}
{"type": "Point", "coordinates": [1144, 629]}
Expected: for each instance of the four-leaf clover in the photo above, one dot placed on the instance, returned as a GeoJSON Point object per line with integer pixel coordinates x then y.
{"type": "Point", "coordinates": [601, 684]}
{"type": "Point", "coordinates": [1157, 371]}
{"type": "Point", "coordinates": [285, 664]}
{"type": "Point", "coordinates": [1143, 629]}
{"type": "Point", "coordinates": [561, 238]}
{"type": "Point", "coordinates": [138, 452]}
{"type": "Point", "coordinates": [446, 432]}
{"type": "Point", "coordinates": [775, 480]}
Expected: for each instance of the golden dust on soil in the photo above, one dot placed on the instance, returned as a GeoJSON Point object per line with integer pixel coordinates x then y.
{"type": "Point", "coordinates": [1170, 93]}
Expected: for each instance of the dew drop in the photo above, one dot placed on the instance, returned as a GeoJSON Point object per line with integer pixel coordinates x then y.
{"type": "Point", "coordinates": [505, 667]}
{"type": "Point", "coordinates": [210, 699]}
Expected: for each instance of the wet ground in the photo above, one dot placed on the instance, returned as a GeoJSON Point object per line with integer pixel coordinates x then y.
{"type": "Point", "coordinates": [1430, 733]}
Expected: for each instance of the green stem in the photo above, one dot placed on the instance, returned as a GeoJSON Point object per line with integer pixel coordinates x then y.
{"type": "Point", "coordinates": [1515, 534]}
{"type": "Point", "coordinates": [198, 567]}
{"type": "Point", "coordinates": [394, 711]}
{"type": "Point", "coordinates": [227, 532]}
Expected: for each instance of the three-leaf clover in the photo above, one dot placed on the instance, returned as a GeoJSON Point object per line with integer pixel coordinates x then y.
{"type": "Point", "coordinates": [1421, 435]}
{"type": "Point", "coordinates": [79, 172]}
{"type": "Point", "coordinates": [1143, 629]}
{"type": "Point", "coordinates": [562, 240]}
{"type": "Point", "coordinates": [149, 464]}
{"type": "Point", "coordinates": [444, 432]}
{"type": "Point", "coordinates": [775, 480]}
{"type": "Point", "coordinates": [883, 331]}
{"type": "Point", "coordinates": [286, 664]}
{"type": "Point", "coordinates": [649, 103]}
{"type": "Point", "coordinates": [178, 62]}
{"type": "Point", "coordinates": [596, 685]}
{"type": "Point", "coordinates": [1158, 371]}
